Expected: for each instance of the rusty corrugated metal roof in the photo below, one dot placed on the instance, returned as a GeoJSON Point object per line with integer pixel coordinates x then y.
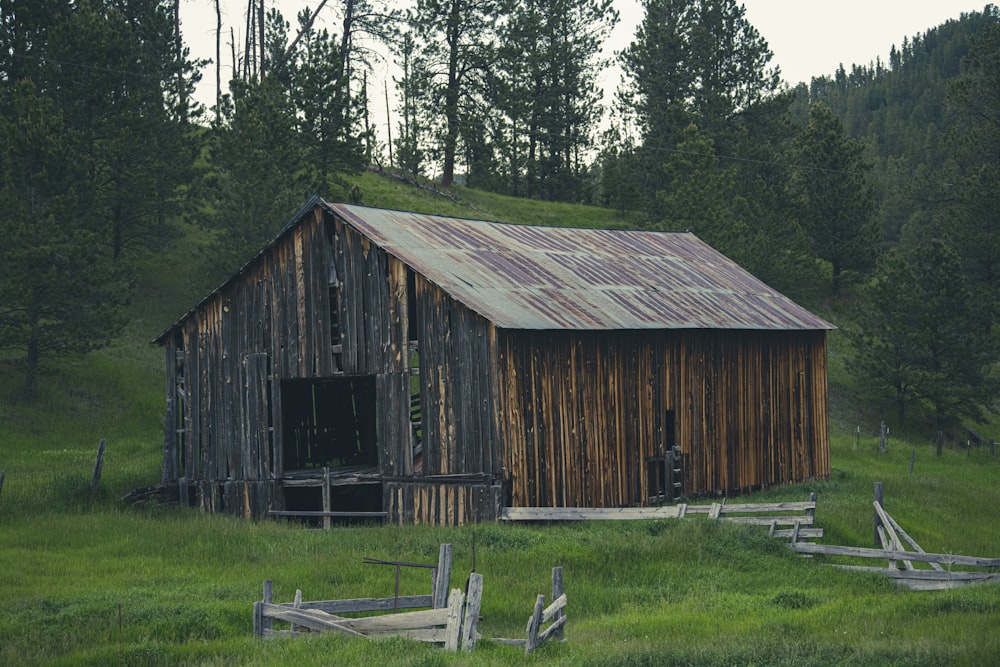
{"type": "Point", "coordinates": [524, 277]}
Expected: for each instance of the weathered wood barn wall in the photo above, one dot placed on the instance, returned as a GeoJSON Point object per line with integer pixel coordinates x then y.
{"type": "Point", "coordinates": [436, 369]}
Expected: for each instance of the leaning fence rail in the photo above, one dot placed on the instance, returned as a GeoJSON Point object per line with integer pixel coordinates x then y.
{"type": "Point", "coordinates": [889, 537]}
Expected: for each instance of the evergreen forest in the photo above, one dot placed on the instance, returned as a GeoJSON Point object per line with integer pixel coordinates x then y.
{"type": "Point", "coordinates": [870, 194]}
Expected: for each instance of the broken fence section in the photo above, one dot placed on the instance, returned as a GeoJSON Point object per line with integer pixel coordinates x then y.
{"type": "Point", "coordinates": [554, 614]}
{"type": "Point", "coordinates": [452, 619]}
{"type": "Point", "coordinates": [890, 536]}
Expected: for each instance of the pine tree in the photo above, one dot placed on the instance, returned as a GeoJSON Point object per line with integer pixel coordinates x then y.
{"type": "Point", "coordinates": [916, 340]}
{"type": "Point", "coordinates": [59, 295]}
{"type": "Point", "coordinates": [696, 62]}
{"type": "Point", "coordinates": [833, 197]}
{"type": "Point", "coordinates": [975, 99]}
{"type": "Point", "coordinates": [456, 45]}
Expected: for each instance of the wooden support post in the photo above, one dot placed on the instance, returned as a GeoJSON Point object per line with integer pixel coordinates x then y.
{"type": "Point", "coordinates": [533, 625]}
{"type": "Point", "coordinates": [882, 437]}
{"type": "Point", "coordinates": [940, 442]}
{"type": "Point", "coordinates": [262, 625]}
{"type": "Point", "coordinates": [913, 457]}
{"type": "Point", "coordinates": [878, 519]}
{"type": "Point", "coordinates": [98, 464]}
{"type": "Point", "coordinates": [326, 498]}
{"type": "Point", "coordinates": [182, 492]}
{"type": "Point", "coordinates": [453, 630]}
{"type": "Point", "coordinates": [442, 578]}
{"type": "Point", "coordinates": [557, 591]}
{"type": "Point", "coordinates": [473, 603]}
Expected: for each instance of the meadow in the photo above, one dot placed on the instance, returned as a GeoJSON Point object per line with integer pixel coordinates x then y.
{"type": "Point", "coordinates": [94, 581]}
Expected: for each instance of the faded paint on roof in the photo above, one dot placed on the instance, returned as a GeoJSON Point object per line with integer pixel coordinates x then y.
{"type": "Point", "coordinates": [525, 277]}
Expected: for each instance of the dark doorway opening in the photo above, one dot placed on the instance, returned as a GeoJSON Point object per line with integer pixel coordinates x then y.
{"type": "Point", "coordinates": [329, 423]}
{"type": "Point", "coordinates": [664, 473]}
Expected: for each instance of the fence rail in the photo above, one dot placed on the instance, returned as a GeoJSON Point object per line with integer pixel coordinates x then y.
{"type": "Point", "coordinates": [889, 537]}
{"type": "Point", "coordinates": [797, 516]}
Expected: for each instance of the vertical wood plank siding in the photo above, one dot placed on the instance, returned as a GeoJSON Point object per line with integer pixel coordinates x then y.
{"type": "Point", "coordinates": [581, 412]}
{"type": "Point", "coordinates": [270, 323]}
{"type": "Point", "coordinates": [455, 385]}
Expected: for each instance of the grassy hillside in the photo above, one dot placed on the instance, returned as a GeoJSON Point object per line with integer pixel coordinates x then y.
{"type": "Point", "coordinates": [94, 582]}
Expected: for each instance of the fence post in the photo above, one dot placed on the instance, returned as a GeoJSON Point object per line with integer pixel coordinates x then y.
{"type": "Point", "coordinates": [453, 630]}
{"type": "Point", "coordinates": [473, 603]}
{"type": "Point", "coordinates": [326, 497]}
{"type": "Point", "coordinates": [940, 441]}
{"type": "Point", "coordinates": [557, 591]}
{"type": "Point", "coordinates": [878, 519]}
{"type": "Point", "coordinates": [442, 578]}
{"type": "Point", "coordinates": [260, 623]}
{"type": "Point", "coordinates": [882, 437]}
{"type": "Point", "coordinates": [534, 623]}
{"type": "Point", "coordinates": [98, 464]}
{"type": "Point", "coordinates": [913, 456]}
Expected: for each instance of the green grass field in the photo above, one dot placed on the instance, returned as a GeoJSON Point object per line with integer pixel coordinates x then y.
{"type": "Point", "coordinates": [92, 581]}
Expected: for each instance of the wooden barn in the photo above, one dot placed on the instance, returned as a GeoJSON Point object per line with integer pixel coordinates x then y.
{"type": "Point", "coordinates": [436, 370]}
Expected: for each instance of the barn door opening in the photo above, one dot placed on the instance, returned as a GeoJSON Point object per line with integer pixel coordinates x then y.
{"type": "Point", "coordinates": [329, 422]}
{"type": "Point", "coordinates": [330, 448]}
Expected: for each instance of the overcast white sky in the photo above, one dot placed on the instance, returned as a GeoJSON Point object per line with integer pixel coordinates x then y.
{"type": "Point", "coordinates": [808, 37]}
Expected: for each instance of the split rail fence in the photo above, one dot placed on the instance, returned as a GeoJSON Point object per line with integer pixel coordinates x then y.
{"type": "Point", "coordinates": [452, 618]}
{"type": "Point", "coordinates": [889, 540]}
{"type": "Point", "coordinates": [792, 520]}
{"type": "Point", "coordinates": [452, 621]}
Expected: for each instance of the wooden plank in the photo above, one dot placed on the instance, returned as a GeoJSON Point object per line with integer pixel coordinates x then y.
{"type": "Point", "coordinates": [747, 508]}
{"type": "Point", "coordinates": [557, 592]}
{"type": "Point", "coordinates": [320, 620]}
{"type": "Point", "coordinates": [804, 520]}
{"type": "Point", "coordinates": [442, 579]}
{"type": "Point", "coordinates": [473, 603]}
{"type": "Point", "coordinates": [902, 533]}
{"type": "Point", "coordinates": [587, 514]}
{"type": "Point", "coordinates": [804, 533]}
{"type": "Point", "coordinates": [369, 604]}
{"type": "Point", "coordinates": [454, 626]}
{"type": "Point", "coordinates": [889, 538]}
{"type": "Point", "coordinates": [331, 514]}
{"type": "Point", "coordinates": [556, 627]}
{"type": "Point", "coordinates": [534, 623]}
{"type": "Point", "coordinates": [557, 606]}
{"type": "Point", "coordinates": [862, 552]}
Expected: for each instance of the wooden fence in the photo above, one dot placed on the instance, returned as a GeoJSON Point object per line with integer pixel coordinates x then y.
{"type": "Point", "coordinates": [889, 539]}
{"type": "Point", "coordinates": [792, 520]}
{"type": "Point", "coordinates": [451, 621]}
{"type": "Point", "coordinates": [555, 614]}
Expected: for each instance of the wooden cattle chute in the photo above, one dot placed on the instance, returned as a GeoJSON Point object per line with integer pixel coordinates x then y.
{"type": "Point", "coordinates": [339, 374]}
{"type": "Point", "coordinates": [890, 538]}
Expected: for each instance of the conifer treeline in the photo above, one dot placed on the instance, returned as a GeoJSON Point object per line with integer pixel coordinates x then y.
{"type": "Point", "coordinates": [858, 188]}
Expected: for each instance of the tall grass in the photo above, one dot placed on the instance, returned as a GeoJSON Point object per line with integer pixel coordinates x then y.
{"type": "Point", "coordinates": [91, 581]}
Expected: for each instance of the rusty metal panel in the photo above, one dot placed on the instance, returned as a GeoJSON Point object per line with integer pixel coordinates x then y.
{"type": "Point", "coordinates": [548, 278]}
